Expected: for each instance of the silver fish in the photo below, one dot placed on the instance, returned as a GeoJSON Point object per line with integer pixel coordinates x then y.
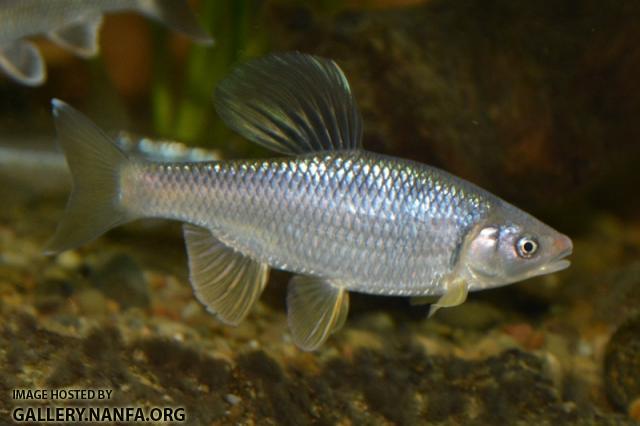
{"type": "Point", "coordinates": [162, 149]}
{"type": "Point", "coordinates": [74, 25]}
{"type": "Point", "coordinates": [44, 171]}
{"type": "Point", "coordinates": [340, 218]}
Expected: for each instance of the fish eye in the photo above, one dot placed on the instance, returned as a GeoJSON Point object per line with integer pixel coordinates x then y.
{"type": "Point", "coordinates": [526, 247]}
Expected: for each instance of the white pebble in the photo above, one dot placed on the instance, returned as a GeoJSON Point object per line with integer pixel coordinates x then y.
{"type": "Point", "coordinates": [585, 349]}
{"type": "Point", "coordinates": [232, 399]}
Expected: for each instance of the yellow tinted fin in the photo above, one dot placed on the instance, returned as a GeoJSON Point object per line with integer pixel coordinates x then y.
{"type": "Point", "coordinates": [22, 61]}
{"type": "Point", "coordinates": [291, 103]}
{"type": "Point", "coordinates": [227, 282]}
{"type": "Point", "coordinates": [315, 309]}
{"type": "Point", "coordinates": [81, 37]}
{"type": "Point", "coordinates": [455, 295]}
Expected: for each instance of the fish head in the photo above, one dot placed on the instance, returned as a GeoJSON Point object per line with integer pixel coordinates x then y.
{"type": "Point", "coordinates": [513, 246]}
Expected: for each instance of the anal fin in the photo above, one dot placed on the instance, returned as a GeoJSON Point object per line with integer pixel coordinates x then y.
{"type": "Point", "coordinates": [316, 308]}
{"type": "Point", "coordinates": [227, 282]}
{"type": "Point", "coordinates": [455, 295]}
{"type": "Point", "coordinates": [22, 61]}
{"type": "Point", "coordinates": [81, 37]}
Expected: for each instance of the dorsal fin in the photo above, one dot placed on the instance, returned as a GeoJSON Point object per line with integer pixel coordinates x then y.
{"type": "Point", "coordinates": [291, 103]}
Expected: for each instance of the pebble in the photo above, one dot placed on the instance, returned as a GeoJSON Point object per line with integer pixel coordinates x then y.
{"type": "Point", "coordinates": [377, 321]}
{"type": "Point", "coordinates": [91, 302]}
{"type": "Point", "coordinates": [361, 339]}
{"type": "Point", "coordinates": [121, 278]}
{"type": "Point", "coordinates": [554, 370]}
{"type": "Point", "coordinates": [192, 310]}
{"type": "Point", "coordinates": [585, 349]}
{"type": "Point", "coordinates": [622, 365]}
{"type": "Point", "coordinates": [232, 399]}
{"type": "Point", "coordinates": [472, 315]}
{"type": "Point", "coordinates": [14, 259]}
{"type": "Point", "coordinates": [69, 260]}
{"type": "Point", "coordinates": [634, 409]}
{"type": "Point", "coordinates": [527, 336]}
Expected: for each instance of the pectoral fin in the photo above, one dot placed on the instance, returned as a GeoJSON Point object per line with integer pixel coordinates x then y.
{"type": "Point", "coordinates": [455, 295]}
{"type": "Point", "coordinates": [81, 37]}
{"type": "Point", "coordinates": [315, 309]}
{"type": "Point", "coordinates": [21, 60]}
{"type": "Point", "coordinates": [227, 282]}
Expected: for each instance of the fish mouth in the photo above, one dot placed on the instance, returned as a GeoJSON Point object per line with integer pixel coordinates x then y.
{"type": "Point", "coordinates": [552, 267]}
{"type": "Point", "coordinates": [559, 262]}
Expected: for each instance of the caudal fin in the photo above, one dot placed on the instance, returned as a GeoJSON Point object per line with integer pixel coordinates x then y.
{"type": "Point", "coordinates": [22, 61]}
{"type": "Point", "coordinates": [177, 15]}
{"type": "Point", "coordinates": [94, 161]}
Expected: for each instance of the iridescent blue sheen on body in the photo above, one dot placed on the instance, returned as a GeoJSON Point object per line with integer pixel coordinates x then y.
{"type": "Point", "coordinates": [375, 224]}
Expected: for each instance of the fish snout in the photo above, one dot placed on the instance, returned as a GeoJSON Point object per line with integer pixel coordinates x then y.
{"type": "Point", "coordinates": [563, 246]}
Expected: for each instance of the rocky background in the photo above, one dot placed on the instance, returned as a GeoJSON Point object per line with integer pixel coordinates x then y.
{"type": "Point", "coordinates": [535, 101]}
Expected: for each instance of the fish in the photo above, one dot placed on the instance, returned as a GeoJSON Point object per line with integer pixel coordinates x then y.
{"type": "Point", "coordinates": [75, 26]}
{"type": "Point", "coordinates": [338, 217]}
{"type": "Point", "coordinates": [163, 149]}
{"type": "Point", "coordinates": [44, 171]}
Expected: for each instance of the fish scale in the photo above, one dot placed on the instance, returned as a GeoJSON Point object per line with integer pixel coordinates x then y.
{"type": "Point", "coordinates": [369, 209]}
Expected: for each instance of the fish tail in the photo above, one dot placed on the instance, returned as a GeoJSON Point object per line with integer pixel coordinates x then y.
{"type": "Point", "coordinates": [95, 162]}
{"type": "Point", "coordinates": [177, 15]}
